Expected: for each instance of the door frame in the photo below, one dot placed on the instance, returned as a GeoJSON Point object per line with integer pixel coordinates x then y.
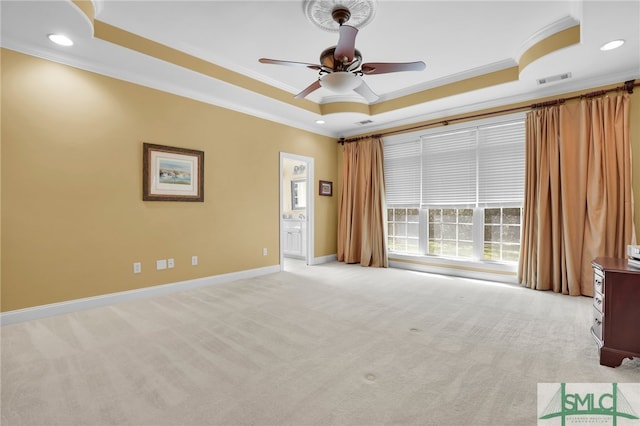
{"type": "Point", "coordinates": [309, 161]}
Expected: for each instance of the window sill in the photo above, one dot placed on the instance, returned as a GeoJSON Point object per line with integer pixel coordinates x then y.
{"type": "Point", "coordinates": [483, 270]}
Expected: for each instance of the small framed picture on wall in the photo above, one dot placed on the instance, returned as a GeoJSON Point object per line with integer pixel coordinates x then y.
{"type": "Point", "coordinates": [172, 174]}
{"type": "Point", "coordinates": [326, 188]}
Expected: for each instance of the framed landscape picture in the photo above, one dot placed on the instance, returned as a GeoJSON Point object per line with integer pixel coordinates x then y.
{"type": "Point", "coordinates": [172, 174]}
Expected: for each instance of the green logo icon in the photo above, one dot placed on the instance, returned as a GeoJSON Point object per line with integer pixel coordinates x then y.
{"type": "Point", "coordinates": [585, 402]}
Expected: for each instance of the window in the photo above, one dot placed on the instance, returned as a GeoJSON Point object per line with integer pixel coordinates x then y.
{"type": "Point", "coordinates": [502, 233]}
{"type": "Point", "coordinates": [457, 193]}
{"type": "Point", "coordinates": [451, 232]}
{"type": "Point", "coordinates": [403, 230]}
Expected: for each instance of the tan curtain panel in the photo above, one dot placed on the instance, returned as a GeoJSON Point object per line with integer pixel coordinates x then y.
{"type": "Point", "coordinates": [578, 196]}
{"type": "Point", "coordinates": [362, 225]}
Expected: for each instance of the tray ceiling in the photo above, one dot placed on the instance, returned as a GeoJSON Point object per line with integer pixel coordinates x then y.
{"type": "Point", "coordinates": [479, 54]}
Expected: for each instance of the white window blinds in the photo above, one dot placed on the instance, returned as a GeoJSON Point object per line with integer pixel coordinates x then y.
{"type": "Point", "coordinates": [501, 164]}
{"type": "Point", "coordinates": [449, 169]}
{"type": "Point", "coordinates": [402, 171]}
{"type": "Point", "coordinates": [479, 166]}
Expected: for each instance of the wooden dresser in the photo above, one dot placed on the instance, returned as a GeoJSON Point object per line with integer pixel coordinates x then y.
{"type": "Point", "coordinates": [616, 310]}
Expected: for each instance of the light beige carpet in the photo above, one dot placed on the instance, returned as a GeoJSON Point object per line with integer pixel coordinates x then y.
{"type": "Point", "coordinates": [332, 344]}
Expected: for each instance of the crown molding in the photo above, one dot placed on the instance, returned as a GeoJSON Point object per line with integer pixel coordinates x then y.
{"type": "Point", "coordinates": [553, 89]}
{"type": "Point", "coordinates": [546, 32]}
{"type": "Point", "coordinates": [449, 79]}
{"type": "Point", "coordinates": [163, 85]}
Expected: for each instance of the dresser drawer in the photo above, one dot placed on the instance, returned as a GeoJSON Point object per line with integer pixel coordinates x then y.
{"type": "Point", "coordinates": [596, 327]}
{"type": "Point", "coordinates": [598, 280]}
{"type": "Point", "coordinates": [598, 301]}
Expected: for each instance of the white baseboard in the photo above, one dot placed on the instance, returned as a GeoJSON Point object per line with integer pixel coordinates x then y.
{"type": "Point", "coordinates": [43, 311]}
{"type": "Point", "coordinates": [325, 259]}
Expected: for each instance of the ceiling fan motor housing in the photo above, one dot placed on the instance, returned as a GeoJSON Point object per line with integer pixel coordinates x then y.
{"type": "Point", "coordinates": [328, 60]}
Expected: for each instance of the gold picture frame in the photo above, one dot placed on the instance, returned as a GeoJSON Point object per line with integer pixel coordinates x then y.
{"type": "Point", "coordinates": [172, 174]}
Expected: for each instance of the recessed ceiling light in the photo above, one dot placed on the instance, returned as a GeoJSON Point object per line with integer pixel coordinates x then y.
{"type": "Point", "coordinates": [60, 39]}
{"type": "Point", "coordinates": [612, 45]}
{"type": "Point", "coordinates": [320, 122]}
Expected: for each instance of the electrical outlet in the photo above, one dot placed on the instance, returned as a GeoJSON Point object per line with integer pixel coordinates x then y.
{"type": "Point", "coordinates": [264, 251]}
{"type": "Point", "coordinates": [137, 267]}
{"type": "Point", "coordinates": [170, 263]}
{"type": "Point", "coordinates": [161, 264]}
{"type": "Point", "coordinates": [194, 260]}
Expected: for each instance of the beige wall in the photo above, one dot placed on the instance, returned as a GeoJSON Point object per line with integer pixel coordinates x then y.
{"type": "Point", "coordinates": [73, 219]}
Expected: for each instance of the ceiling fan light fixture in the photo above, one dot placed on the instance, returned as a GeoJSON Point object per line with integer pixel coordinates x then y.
{"type": "Point", "coordinates": [340, 81]}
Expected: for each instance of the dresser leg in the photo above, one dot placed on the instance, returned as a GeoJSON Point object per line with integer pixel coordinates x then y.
{"type": "Point", "coordinates": [612, 358]}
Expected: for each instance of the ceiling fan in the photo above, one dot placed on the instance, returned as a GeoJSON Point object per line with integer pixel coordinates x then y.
{"type": "Point", "coordinates": [341, 68]}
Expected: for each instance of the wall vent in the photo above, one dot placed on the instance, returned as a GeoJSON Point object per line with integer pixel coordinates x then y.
{"type": "Point", "coordinates": [558, 77]}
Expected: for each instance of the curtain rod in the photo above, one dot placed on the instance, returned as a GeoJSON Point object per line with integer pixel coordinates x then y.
{"type": "Point", "coordinates": [628, 86]}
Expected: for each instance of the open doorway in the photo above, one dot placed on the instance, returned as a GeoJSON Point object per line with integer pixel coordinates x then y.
{"type": "Point", "coordinates": [296, 210]}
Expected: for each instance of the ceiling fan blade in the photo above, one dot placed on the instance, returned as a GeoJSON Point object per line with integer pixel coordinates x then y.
{"type": "Point", "coordinates": [385, 67]}
{"type": "Point", "coordinates": [290, 63]}
{"type": "Point", "coordinates": [365, 91]}
{"type": "Point", "coordinates": [346, 48]}
{"type": "Point", "coordinates": [310, 88]}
